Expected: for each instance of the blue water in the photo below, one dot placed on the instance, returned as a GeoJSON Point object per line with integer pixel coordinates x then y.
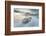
{"type": "Point", "coordinates": [34, 22]}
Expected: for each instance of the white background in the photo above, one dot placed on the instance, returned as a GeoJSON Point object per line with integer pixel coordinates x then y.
{"type": "Point", "coordinates": [25, 28]}
{"type": "Point", "coordinates": [2, 19]}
